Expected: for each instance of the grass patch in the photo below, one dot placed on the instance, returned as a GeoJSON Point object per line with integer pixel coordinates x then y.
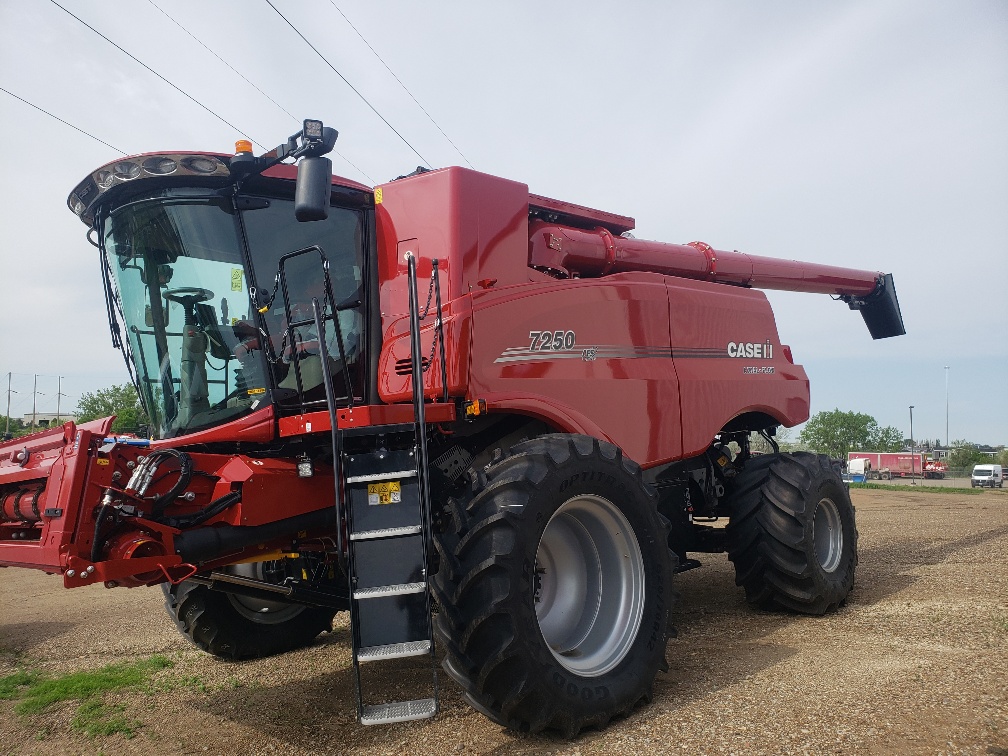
{"type": "Point", "coordinates": [921, 489]}
{"type": "Point", "coordinates": [191, 682]}
{"type": "Point", "coordinates": [95, 718]}
{"type": "Point", "coordinates": [93, 715]}
{"type": "Point", "coordinates": [11, 684]}
{"type": "Point", "coordinates": [1001, 623]}
{"type": "Point", "coordinates": [85, 685]}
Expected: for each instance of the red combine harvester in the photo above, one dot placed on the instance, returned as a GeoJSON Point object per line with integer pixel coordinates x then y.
{"type": "Point", "coordinates": [586, 411]}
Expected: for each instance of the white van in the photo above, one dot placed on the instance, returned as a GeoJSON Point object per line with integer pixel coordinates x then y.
{"type": "Point", "coordinates": [987, 475]}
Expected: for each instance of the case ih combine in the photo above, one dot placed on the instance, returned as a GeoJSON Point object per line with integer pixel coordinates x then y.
{"type": "Point", "coordinates": [587, 405]}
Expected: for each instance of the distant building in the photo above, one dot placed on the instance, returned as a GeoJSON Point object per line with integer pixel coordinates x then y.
{"type": "Point", "coordinates": [45, 419]}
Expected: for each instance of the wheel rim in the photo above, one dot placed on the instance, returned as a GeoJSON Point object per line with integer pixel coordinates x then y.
{"type": "Point", "coordinates": [589, 586]}
{"type": "Point", "coordinates": [827, 535]}
{"type": "Point", "coordinates": [260, 611]}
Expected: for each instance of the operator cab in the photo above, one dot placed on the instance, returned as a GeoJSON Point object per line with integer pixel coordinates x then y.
{"type": "Point", "coordinates": [191, 251]}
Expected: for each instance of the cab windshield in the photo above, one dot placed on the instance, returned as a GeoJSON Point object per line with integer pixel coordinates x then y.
{"type": "Point", "coordinates": [202, 353]}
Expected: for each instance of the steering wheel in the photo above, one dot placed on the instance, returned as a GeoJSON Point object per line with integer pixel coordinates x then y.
{"type": "Point", "coordinates": [188, 297]}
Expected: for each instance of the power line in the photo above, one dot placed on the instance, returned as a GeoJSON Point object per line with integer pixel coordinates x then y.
{"type": "Point", "coordinates": [173, 86]}
{"type": "Point", "coordinates": [65, 123]}
{"type": "Point", "coordinates": [381, 60]}
{"type": "Point", "coordinates": [204, 46]}
{"type": "Point", "coordinates": [324, 60]}
{"type": "Point", "coordinates": [251, 84]}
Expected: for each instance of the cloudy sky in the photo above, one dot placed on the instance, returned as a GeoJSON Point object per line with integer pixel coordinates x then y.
{"type": "Point", "coordinates": [865, 134]}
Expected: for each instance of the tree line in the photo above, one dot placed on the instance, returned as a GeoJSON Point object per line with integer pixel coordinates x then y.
{"type": "Point", "coordinates": [121, 401]}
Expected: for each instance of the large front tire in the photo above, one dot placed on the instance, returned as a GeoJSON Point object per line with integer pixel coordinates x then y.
{"type": "Point", "coordinates": [236, 627]}
{"type": "Point", "coordinates": [791, 534]}
{"type": "Point", "coordinates": [554, 587]}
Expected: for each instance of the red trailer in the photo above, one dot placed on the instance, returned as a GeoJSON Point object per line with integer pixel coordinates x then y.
{"type": "Point", "coordinates": [899, 465]}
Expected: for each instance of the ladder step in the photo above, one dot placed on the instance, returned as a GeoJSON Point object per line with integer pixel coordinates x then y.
{"type": "Point", "coordinates": [382, 591]}
{"type": "Point", "coordinates": [367, 535]}
{"type": "Point", "coordinates": [399, 711]}
{"type": "Point", "coordinates": [394, 651]}
{"type": "Point", "coordinates": [382, 476]}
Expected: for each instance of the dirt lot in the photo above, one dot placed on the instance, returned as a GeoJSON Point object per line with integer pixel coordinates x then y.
{"type": "Point", "coordinates": [917, 662]}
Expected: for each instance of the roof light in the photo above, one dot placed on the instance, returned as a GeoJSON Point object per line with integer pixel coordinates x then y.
{"type": "Point", "coordinates": [312, 130]}
{"type": "Point", "coordinates": [126, 171]}
{"type": "Point", "coordinates": [243, 145]}
{"type": "Point", "coordinates": [104, 179]}
{"type": "Point", "coordinates": [201, 164]}
{"type": "Point", "coordinates": [160, 166]}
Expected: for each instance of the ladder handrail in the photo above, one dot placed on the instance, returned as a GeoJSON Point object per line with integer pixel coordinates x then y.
{"type": "Point", "coordinates": [420, 417]}
{"type": "Point", "coordinates": [336, 441]}
{"type": "Point", "coordinates": [439, 329]}
{"type": "Point", "coordinates": [330, 301]}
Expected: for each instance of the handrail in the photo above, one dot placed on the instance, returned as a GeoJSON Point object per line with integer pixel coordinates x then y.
{"type": "Point", "coordinates": [439, 329]}
{"type": "Point", "coordinates": [336, 439]}
{"type": "Point", "coordinates": [419, 412]}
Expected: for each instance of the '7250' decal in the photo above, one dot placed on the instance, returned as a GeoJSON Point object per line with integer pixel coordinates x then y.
{"type": "Point", "coordinates": [547, 341]}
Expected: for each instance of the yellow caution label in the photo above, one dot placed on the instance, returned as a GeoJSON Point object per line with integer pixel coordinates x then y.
{"type": "Point", "coordinates": [378, 196]}
{"type": "Point", "coordinates": [253, 391]}
{"type": "Point", "coordinates": [387, 492]}
{"type": "Point", "coordinates": [102, 462]}
{"type": "Point", "coordinates": [236, 279]}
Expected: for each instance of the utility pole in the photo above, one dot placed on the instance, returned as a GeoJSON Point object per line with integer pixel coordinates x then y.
{"type": "Point", "coordinates": [59, 394]}
{"type": "Point", "coordinates": [948, 441]}
{"type": "Point", "coordinates": [34, 394]}
{"type": "Point", "coordinates": [9, 392]}
{"type": "Point", "coordinates": [913, 476]}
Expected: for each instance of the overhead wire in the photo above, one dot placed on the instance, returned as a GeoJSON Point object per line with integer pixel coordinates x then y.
{"type": "Point", "coordinates": [346, 81]}
{"type": "Point", "coordinates": [252, 84]}
{"type": "Point", "coordinates": [235, 70]}
{"type": "Point", "coordinates": [65, 123]}
{"type": "Point", "coordinates": [166, 81]}
{"type": "Point", "coordinates": [405, 88]}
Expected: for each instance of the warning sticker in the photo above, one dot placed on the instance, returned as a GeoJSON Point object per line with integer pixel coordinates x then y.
{"type": "Point", "coordinates": [388, 492]}
{"type": "Point", "coordinates": [236, 279]}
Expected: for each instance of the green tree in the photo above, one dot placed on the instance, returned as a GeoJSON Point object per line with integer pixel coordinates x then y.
{"type": "Point", "coordinates": [887, 439]}
{"type": "Point", "coordinates": [837, 432]}
{"type": "Point", "coordinates": [17, 427]}
{"type": "Point", "coordinates": [121, 401]}
{"type": "Point", "coordinates": [965, 454]}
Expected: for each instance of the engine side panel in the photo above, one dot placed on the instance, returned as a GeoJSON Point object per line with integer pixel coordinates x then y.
{"type": "Point", "coordinates": [730, 360]}
{"type": "Point", "coordinates": [588, 356]}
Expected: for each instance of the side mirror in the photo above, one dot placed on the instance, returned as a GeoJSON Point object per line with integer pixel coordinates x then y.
{"type": "Point", "coordinates": [314, 185]}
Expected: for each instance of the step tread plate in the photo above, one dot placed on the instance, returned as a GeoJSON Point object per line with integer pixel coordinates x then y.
{"type": "Point", "coordinates": [367, 535]}
{"type": "Point", "coordinates": [394, 651]}
{"type": "Point", "coordinates": [395, 475]}
{"type": "Point", "coordinates": [398, 711]}
{"type": "Point", "coordinates": [382, 591]}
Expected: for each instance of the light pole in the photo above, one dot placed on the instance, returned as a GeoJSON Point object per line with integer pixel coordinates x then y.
{"type": "Point", "coordinates": [913, 476]}
{"type": "Point", "coordinates": [948, 441]}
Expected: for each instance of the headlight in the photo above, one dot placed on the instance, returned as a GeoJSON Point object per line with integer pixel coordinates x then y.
{"type": "Point", "coordinates": [126, 171]}
{"type": "Point", "coordinates": [160, 166]}
{"type": "Point", "coordinates": [200, 164]}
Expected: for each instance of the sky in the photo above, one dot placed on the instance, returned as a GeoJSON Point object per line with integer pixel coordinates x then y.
{"type": "Point", "coordinates": [865, 134]}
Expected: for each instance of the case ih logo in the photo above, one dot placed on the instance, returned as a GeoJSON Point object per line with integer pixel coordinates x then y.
{"type": "Point", "coordinates": [751, 351]}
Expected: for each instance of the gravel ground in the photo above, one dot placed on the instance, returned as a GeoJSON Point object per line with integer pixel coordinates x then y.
{"type": "Point", "coordinates": [916, 662]}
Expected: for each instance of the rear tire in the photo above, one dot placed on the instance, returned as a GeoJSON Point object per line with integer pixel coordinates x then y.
{"type": "Point", "coordinates": [792, 535]}
{"type": "Point", "coordinates": [236, 627]}
{"type": "Point", "coordinates": [554, 587]}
